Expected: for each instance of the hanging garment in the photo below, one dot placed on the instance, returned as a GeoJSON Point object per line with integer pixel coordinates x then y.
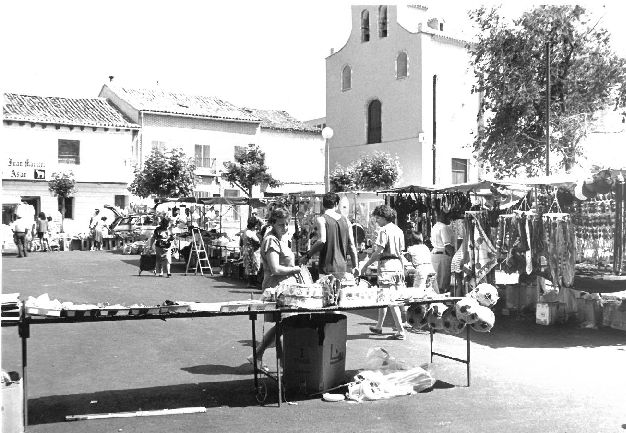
{"type": "Point", "coordinates": [482, 252]}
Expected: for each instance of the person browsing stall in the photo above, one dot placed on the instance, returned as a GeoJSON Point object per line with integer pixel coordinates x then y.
{"type": "Point", "coordinates": [162, 241]}
{"type": "Point", "coordinates": [335, 241]}
{"type": "Point", "coordinates": [278, 264]}
{"type": "Point", "coordinates": [442, 252]}
{"type": "Point", "coordinates": [388, 249]}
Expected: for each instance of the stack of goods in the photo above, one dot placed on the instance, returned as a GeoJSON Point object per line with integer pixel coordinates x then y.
{"type": "Point", "coordinates": [10, 306]}
{"type": "Point", "coordinates": [44, 306]}
{"type": "Point", "coordinates": [473, 310]}
{"type": "Point", "coordinates": [293, 295]}
{"type": "Point", "coordinates": [348, 292]}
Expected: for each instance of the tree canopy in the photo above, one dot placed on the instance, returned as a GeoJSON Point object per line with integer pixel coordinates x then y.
{"type": "Point", "coordinates": [372, 172]}
{"type": "Point", "coordinates": [62, 185]}
{"type": "Point", "coordinates": [165, 173]}
{"type": "Point", "coordinates": [249, 170]}
{"type": "Point", "coordinates": [509, 62]}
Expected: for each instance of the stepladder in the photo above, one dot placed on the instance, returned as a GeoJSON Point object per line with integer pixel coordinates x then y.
{"type": "Point", "coordinates": [198, 259]}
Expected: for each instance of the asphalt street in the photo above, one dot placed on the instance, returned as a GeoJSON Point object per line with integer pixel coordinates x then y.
{"type": "Point", "coordinates": [524, 377]}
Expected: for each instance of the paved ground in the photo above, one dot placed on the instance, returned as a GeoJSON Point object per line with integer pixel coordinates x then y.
{"type": "Point", "coordinates": [525, 377]}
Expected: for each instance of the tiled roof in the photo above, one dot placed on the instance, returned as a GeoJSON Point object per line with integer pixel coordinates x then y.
{"type": "Point", "coordinates": [162, 101]}
{"type": "Point", "coordinates": [94, 112]}
{"type": "Point", "coordinates": [275, 119]}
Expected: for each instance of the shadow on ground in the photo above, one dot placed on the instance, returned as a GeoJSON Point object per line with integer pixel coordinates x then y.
{"type": "Point", "coordinates": [232, 393]}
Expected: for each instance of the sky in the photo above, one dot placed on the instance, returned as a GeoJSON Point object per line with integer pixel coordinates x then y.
{"type": "Point", "coordinates": [260, 54]}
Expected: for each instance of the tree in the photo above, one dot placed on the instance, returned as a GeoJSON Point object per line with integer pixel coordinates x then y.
{"type": "Point", "coordinates": [62, 185]}
{"type": "Point", "coordinates": [164, 174]}
{"type": "Point", "coordinates": [249, 170]}
{"type": "Point", "coordinates": [509, 62]}
{"type": "Point", "coordinates": [370, 173]}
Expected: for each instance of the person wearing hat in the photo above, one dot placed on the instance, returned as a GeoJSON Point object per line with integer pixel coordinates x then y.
{"type": "Point", "coordinates": [93, 222]}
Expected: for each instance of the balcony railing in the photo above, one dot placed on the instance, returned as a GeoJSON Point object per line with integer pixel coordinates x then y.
{"type": "Point", "coordinates": [205, 165]}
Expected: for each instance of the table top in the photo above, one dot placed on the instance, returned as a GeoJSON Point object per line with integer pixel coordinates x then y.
{"type": "Point", "coordinates": [251, 311]}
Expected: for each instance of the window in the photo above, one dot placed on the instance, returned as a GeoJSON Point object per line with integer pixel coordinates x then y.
{"type": "Point", "coordinates": [203, 156]}
{"type": "Point", "coordinates": [233, 193]}
{"type": "Point", "coordinates": [69, 206]}
{"type": "Point", "coordinates": [346, 78]}
{"type": "Point", "coordinates": [69, 152]}
{"type": "Point", "coordinates": [459, 170]}
{"type": "Point", "coordinates": [240, 149]}
{"type": "Point", "coordinates": [402, 65]}
{"type": "Point", "coordinates": [365, 26]}
{"type": "Point", "coordinates": [121, 201]}
{"type": "Point", "coordinates": [374, 123]}
{"type": "Point", "coordinates": [160, 145]}
{"type": "Point", "coordinates": [382, 22]}
{"type": "Point", "coordinates": [205, 180]}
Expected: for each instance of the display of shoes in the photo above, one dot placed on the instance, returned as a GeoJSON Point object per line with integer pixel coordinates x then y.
{"type": "Point", "coordinates": [375, 330]}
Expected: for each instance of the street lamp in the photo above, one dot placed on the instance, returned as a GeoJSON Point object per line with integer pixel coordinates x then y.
{"type": "Point", "coordinates": [327, 133]}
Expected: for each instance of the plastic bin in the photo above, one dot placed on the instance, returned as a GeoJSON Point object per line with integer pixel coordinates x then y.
{"type": "Point", "coordinates": [314, 352]}
{"type": "Point", "coordinates": [12, 403]}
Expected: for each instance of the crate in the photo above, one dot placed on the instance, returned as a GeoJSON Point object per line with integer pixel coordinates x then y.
{"type": "Point", "coordinates": [612, 315]}
{"type": "Point", "coordinates": [589, 311]}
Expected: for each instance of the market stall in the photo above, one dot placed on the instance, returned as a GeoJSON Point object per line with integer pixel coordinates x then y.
{"type": "Point", "coordinates": [43, 311]}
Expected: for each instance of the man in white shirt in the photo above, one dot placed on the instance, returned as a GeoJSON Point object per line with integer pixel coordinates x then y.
{"type": "Point", "coordinates": [20, 230]}
{"type": "Point", "coordinates": [442, 252]}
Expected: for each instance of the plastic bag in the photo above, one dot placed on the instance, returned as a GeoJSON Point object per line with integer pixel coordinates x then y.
{"type": "Point", "coordinates": [377, 358]}
{"type": "Point", "coordinates": [377, 385]}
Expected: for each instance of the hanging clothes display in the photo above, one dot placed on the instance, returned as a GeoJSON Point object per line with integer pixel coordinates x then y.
{"type": "Point", "coordinates": [481, 256]}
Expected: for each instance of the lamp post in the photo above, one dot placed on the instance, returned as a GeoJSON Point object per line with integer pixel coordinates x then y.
{"type": "Point", "coordinates": [327, 133]}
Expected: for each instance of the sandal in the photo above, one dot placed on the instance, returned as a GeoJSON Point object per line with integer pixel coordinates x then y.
{"type": "Point", "coordinates": [375, 330]}
{"type": "Point", "coordinates": [259, 363]}
{"type": "Point", "coordinates": [397, 337]}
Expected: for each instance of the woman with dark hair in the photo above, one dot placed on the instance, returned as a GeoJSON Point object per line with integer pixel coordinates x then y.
{"type": "Point", "coordinates": [278, 266]}
{"type": "Point", "coordinates": [251, 250]}
{"type": "Point", "coordinates": [162, 241]}
{"type": "Point", "coordinates": [42, 231]}
{"type": "Point", "coordinates": [388, 249]}
{"type": "Point", "coordinates": [419, 255]}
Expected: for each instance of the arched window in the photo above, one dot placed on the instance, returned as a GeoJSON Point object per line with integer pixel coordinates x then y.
{"type": "Point", "coordinates": [365, 26]}
{"type": "Point", "coordinates": [402, 65]}
{"type": "Point", "coordinates": [382, 22]}
{"type": "Point", "coordinates": [346, 78]}
{"type": "Point", "coordinates": [374, 122]}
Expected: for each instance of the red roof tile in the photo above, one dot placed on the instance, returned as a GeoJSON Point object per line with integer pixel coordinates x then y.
{"type": "Point", "coordinates": [95, 112]}
{"type": "Point", "coordinates": [163, 101]}
{"type": "Point", "coordinates": [275, 119]}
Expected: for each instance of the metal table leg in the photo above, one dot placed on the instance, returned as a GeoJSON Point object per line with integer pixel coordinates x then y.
{"type": "Point", "coordinates": [253, 317]}
{"type": "Point", "coordinates": [24, 333]}
{"type": "Point", "coordinates": [279, 355]}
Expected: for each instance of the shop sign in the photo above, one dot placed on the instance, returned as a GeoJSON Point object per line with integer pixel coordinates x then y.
{"type": "Point", "coordinates": [24, 169]}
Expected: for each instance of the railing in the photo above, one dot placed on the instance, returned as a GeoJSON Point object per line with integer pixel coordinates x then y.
{"type": "Point", "coordinates": [205, 166]}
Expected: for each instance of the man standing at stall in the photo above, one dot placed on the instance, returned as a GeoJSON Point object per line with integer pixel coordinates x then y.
{"type": "Point", "coordinates": [335, 240]}
{"type": "Point", "coordinates": [20, 231]}
{"type": "Point", "coordinates": [442, 252]}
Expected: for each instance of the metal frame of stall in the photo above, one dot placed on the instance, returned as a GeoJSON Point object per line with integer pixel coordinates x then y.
{"type": "Point", "coordinates": [24, 322]}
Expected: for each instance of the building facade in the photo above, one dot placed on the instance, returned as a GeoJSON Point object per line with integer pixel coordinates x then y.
{"type": "Point", "coordinates": [212, 130]}
{"type": "Point", "coordinates": [85, 136]}
{"type": "Point", "coordinates": [402, 84]}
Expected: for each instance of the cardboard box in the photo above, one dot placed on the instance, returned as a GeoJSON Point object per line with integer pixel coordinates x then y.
{"type": "Point", "coordinates": [314, 351]}
{"type": "Point", "coordinates": [549, 313]}
{"type": "Point", "coordinates": [520, 296]}
{"type": "Point", "coordinates": [589, 311]}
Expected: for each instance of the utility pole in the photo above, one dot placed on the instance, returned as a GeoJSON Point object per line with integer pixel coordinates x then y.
{"type": "Point", "coordinates": [434, 129]}
{"type": "Point", "coordinates": [548, 108]}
